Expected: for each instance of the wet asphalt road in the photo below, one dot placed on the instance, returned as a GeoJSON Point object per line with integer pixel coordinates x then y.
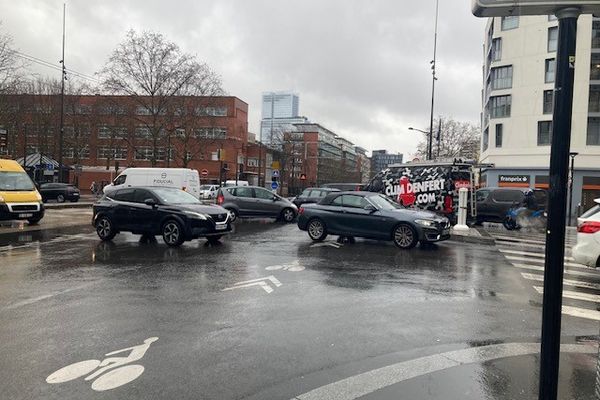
{"type": "Point", "coordinates": [328, 311]}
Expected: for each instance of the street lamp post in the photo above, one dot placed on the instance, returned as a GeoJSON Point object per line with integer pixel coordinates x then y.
{"type": "Point", "coordinates": [429, 140]}
{"type": "Point", "coordinates": [572, 154]}
{"type": "Point", "coordinates": [434, 78]}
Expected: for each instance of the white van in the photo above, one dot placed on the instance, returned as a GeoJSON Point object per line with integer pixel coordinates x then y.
{"type": "Point", "coordinates": [182, 178]}
{"type": "Point", "coordinates": [234, 183]}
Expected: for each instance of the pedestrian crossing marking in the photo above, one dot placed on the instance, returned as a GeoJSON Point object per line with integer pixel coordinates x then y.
{"type": "Point", "coordinates": [569, 294]}
{"type": "Point", "coordinates": [581, 312]}
{"type": "Point", "coordinates": [542, 260]}
{"type": "Point", "coordinates": [569, 282]}
{"type": "Point", "coordinates": [567, 271]}
{"type": "Point", "coordinates": [527, 253]}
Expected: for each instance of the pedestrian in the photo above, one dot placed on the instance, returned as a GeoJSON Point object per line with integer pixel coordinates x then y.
{"type": "Point", "coordinates": [94, 188]}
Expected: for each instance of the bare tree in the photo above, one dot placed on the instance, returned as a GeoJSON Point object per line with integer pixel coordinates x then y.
{"type": "Point", "coordinates": [154, 72]}
{"type": "Point", "coordinates": [10, 65]}
{"type": "Point", "coordinates": [457, 140]}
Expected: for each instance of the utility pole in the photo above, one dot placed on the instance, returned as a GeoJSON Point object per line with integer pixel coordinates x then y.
{"type": "Point", "coordinates": [434, 78]}
{"type": "Point", "coordinates": [573, 154]}
{"type": "Point", "coordinates": [61, 133]}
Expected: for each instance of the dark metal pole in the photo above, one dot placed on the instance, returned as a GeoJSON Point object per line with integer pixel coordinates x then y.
{"type": "Point", "coordinates": [430, 142]}
{"type": "Point", "coordinates": [573, 155]}
{"type": "Point", "coordinates": [62, 105]}
{"type": "Point", "coordinates": [557, 195]}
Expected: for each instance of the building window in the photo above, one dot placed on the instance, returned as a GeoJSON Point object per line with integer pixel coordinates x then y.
{"type": "Point", "coordinates": [143, 153]}
{"type": "Point", "coordinates": [550, 70]}
{"type": "Point", "coordinates": [510, 22]}
{"type": "Point", "coordinates": [210, 133]}
{"type": "Point", "coordinates": [548, 101]}
{"type": "Point", "coordinates": [143, 132]}
{"type": "Point", "coordinates": [252, 162]}
{"type": "Point", "coordinates": [595, 34]}
{"type": "Point", "coordinates": [594, 101]}
{"type": "Point", "coordinates": [496, 49]}
{"type": "Point", "coordinates": [502, 77]}
{"type": "Point", "coordinates": [552, 38]}
{"type": "Point", "coordinates": [180, 132]}
{"type": "Point", "coordinates": [544, 133]}
{"type": "Point", "coordinates": [593, 132]}
{"type": "Point", "coordinates": [595, 67]}
{"type": "Point", "coordinates": [142, 110]}
{"type": "Point", "coordinates": [485, 139]}
{"type": "Point", "coordinates": [212, 111]}
{"type": "Point", "coordinates": [499, 135]}
{"type": "Point", "coordinates": [500, 106]}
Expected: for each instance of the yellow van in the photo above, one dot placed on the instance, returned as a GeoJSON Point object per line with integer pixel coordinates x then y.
{"type": "Point", "coordinates": [19, 198]}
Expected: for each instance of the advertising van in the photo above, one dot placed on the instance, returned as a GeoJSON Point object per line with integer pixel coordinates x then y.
{"type": "Point", "coordinates": [182, 178]}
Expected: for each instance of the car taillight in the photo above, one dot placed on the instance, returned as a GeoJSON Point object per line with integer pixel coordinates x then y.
{"type": "Point", "coordinates": [301, 210]}
{"type": "Point", "coordinates": [589, 227]}
{"type": "Point", "coordinates": [220, 199]}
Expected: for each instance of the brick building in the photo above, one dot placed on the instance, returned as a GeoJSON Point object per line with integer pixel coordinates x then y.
{"type": "Point", "coordinates": [105, 134]}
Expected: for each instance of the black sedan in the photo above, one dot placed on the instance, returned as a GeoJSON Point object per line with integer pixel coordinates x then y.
{"type": "Point", "coordinates": [176, 215]}
{"type": "Point", "coordinates": [312, 195]}
{"type": "Point", "coordinates": [374, 216]}
{"type": "Point", "coordinates": [59, 192]}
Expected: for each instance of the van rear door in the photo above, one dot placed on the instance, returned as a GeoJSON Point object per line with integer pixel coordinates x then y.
{"type": "Point", "coordinates": [192, 183]}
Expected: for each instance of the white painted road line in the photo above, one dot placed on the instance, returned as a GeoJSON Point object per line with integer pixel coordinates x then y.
{"type": "Point", "coordinates": [262, 282]}
{"type": "Point", "coordinates": [581, 313]}
{"type": "Point", "coordinates": [541, 261]}
{"type": "Point", "coordinates": [567, 271]}
{"type": "Point", "coordinates": [44, 297]}
{"type": "Point", "coordinates": [371, 381]}
{"type": "Point", "coordinates": [521, 244]}
{"type": "Point", "coordinates": [518, 240]}
{"type": "Point", "coordinates": [528, 253]}
{"type": "Point", "coordinates": [569, 294]}
{"type": "Point", "coordinates": [568, 282]}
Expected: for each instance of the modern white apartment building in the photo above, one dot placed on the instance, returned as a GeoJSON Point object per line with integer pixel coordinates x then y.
{"type": "Point", "coordinates": [279, 113]}
{"type": "Point", "coordinates": [517, 101]}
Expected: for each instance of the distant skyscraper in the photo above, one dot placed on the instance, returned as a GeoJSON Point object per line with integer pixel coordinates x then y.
{"type": "Point", "coordinates": [381, 159]}
{"type": "Point", "coordinates": [279, 113]}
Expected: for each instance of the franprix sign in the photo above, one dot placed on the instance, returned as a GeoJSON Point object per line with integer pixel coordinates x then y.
{"type": "Point", "coordinates": [502, 8]}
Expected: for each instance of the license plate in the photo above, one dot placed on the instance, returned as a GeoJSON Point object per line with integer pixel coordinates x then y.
{"type": "Point", "coordinates": [25, 215]}
{"type": "Point", "coordinates": [221, 227]}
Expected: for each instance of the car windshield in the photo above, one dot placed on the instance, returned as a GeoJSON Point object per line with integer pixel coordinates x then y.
{"type": "Point", "coordinates": [383, 203]}
{"type": "Point", "coordinates": [175, 196]}
{"type": "Point", "coordinates": [15, 181]}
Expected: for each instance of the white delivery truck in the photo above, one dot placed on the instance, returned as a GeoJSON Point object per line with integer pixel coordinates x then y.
{"type": "Point", "coordinates": [182, 178]}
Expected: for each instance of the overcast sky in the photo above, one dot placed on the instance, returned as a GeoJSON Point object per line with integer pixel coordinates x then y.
{"type": "Point", "coordinates": [361, 67]}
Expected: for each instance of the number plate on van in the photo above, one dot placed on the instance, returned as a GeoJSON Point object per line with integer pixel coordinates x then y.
{"type": "Point", "coordinates": [25, 215]}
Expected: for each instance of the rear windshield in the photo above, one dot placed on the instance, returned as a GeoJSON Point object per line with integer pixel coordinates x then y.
{"type": "Point", "coordinates": [591, 211]}
{"type": "Point", "coordinates": [174, 196]}
{"type": "Point", "coordinates": [15, 182]}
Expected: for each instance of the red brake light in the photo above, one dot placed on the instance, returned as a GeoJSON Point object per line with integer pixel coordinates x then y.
{"type": "Point", "coordinates": [220, 199]}
{"type": "Point", "coordinates": [589, 227]}
{"type": "Point", "coordinates": [301, 210]}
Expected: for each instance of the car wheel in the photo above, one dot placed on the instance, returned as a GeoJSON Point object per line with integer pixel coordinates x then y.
{"type": "Point", "coordinates": [317, 230]}
{"type": "Point", "coordinates": [405, 236]}
{"type": "Point", "coordinates": [105, 229]}
{"type": "Point", "coordinates": [233, 214]}
{"type": "Point", "coordinates": [172, 233]}
{"type": "Point", "coordinates": [33, 221]}
{"type": "Point", "coordinates": [60, 198]}
{"type": "Point", "coordinates": [214, 239]}
{"type": "Point", "coordinates": [74, 200]}
{"type": "Point", "coordinates": [287, 215]}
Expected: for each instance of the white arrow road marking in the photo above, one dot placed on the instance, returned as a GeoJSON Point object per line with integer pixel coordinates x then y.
{"type": "Point", "coordinates": [567, 271]}
{"type": "Point", "coordinates": [257, 282]}
{"type": "Point", "coordinates": [294, 266]}
{"type": "Point", "coordinates": [569, 294]}
{"type": "Point", "coordinates": [568, 282]}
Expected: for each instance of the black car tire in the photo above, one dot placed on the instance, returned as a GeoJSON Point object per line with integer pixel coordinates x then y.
{"type": "Point", "coordinates": [214, 239]}
{"type": "Point", "coordinates": [74, 200]}
{"type": "Point", "coordinates": [33, 221]}
{"type": "Point", "coordinates": [233, 214]}
{"type": "Point", "coordinates": [60, 198]}
{"type": "Point", "coordinates": [316, 229]}
{"type": "Point", "coordinates": [172, 233]}
{"type": "Point", "coordinates": [287, 215]}
{"type": "Point", "coordinates": [405, 236]}
{"type": "Point", "coordinates": [105, 229]}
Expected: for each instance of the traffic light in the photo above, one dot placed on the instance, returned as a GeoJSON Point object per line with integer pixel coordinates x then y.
{"type": "Point", "coordinates": [3, 138]}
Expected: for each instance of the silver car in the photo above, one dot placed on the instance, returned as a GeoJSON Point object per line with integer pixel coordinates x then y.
{"type": "Point", "coordinates": [254, 201]}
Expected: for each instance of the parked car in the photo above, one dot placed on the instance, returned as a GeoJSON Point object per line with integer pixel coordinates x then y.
{"type": "Point", "coordinates": [235, 183]}
{"type": "Point", "coordinates": [19, 198]}
{"type": "Point", "coordinates": [587, 249]}
{"type": "Point", "coordinates": [208, 191]}
{"type": "Point", "coordinates": [312, 195]}
{"type": "Point", "coordinates": [254, 201]}
{"type": "Point", "coordinates": [494, 203]}
{"type": "Point", "coordinates": [344, 186]}
{"type": "Point", "coordinates": [180, 178]}
{"type": "Point", "coordinates": [374, 216]}
{"type": "Point", "coordinates": [59, 192]}
{"type": "Point", "coordinates": [176, 215]}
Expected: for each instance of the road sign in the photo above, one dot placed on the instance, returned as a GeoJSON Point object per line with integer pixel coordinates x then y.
{"type": "Point", "coordinates": [274, 185]}
{"type": "Point", "coordinates": [204, 172]}
{"type": "Point", "coordinates": [503, 8]}
{"type": "Point", "coordinates": [275, 165]}
{"type": "Point", "coordinates": [275, 173]}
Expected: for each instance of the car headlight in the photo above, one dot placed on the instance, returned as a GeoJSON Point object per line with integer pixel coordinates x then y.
{"type": "Point", "coordinates": [425, 222]}
{"type": "Point", "coordinates": [196, 215]}
{"type": "Point", "coordinates": [38, 196]}
{"type": "Point", "coordinates": [1, 199]}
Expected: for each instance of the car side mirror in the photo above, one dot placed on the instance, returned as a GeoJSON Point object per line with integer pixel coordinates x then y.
{"type": "Point", "coordinates": [370, 208]}
{"type": "Point", "coordinates": [150, 202]}
{"type": "Point", "coordinates": [275, 198]}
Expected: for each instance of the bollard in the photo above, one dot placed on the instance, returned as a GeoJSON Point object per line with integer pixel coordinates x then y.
{"type": "Point", "coordinates": [463, 194]}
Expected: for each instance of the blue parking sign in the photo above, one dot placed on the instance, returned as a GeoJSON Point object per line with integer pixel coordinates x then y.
{"type": "Point", "coordinates": [274, 185]}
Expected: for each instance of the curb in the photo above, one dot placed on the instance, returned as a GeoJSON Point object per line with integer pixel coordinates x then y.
{"type": "Point", "coordinates": [483, 238]}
